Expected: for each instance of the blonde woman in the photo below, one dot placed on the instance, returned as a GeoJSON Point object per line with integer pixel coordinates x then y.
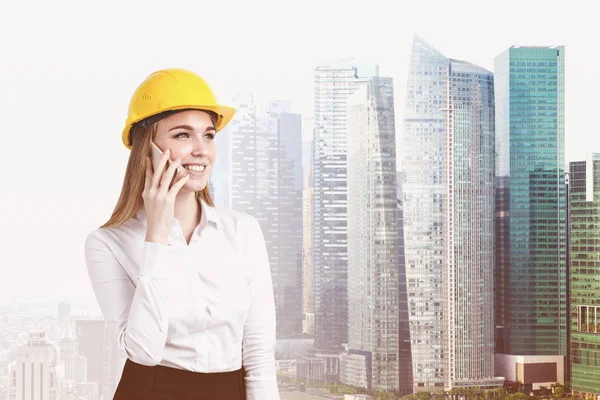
{"type": "Point", "coordinates": [187, 284]}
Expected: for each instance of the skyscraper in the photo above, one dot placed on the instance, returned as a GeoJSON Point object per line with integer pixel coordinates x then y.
{"type": "Point", "coordinates": [308, 294]}
{"type": "Point", "coordinates": [307, 142]}
{"type": "Point", "coordinates": [405, 367]}
{"type": "Point", "coordinates": [373, 284]}
{"type": "Point", "coordinates": [448, 198]}
{"type": "Point", "coordinates": [288, 236]}
{"type": "Point", "coordinates": [584, 211]}
{"type": "Point", "coordinates": [37, 373]}
{"type": "Point", "coordinates": [531, 304]}
{"type": "Point", "coordinates": [242, 139]}
{"type": "Point", "coordinates": [266, 182]}
{"type": "Point", "coordinates": [75, 365]}
{"type": "Point", "coordinates": [97, 341]}
{"type": "Point", "coordinates": [220, 177]}
{"type": "Point", "coordinates": [332, 86]}
{"type": "Point", "coordinates": [90, 338]}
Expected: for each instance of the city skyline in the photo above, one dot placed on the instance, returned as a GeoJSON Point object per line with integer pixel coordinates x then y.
{"type": "Point", "coordinates": [477, 251]}
{"type": "Point", "coordinates": [78, 65]}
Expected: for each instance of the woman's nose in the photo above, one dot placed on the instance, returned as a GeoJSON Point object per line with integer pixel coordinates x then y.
{"type": "Point", "coordinates": [199, 148]}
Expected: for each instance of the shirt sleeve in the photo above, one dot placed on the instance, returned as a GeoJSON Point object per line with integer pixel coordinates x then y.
{"type": "Point", "coordinates": [258, 342]}
{"type": "Point", "coordinates": [138, 311]}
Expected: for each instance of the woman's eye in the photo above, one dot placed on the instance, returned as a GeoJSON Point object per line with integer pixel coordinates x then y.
{"type": "Point", "coordinates": [210, 135]}
{"type": "Point", "coordinates": [181, 133]}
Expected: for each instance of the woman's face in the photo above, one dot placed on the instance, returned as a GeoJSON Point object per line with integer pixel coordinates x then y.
{"type": "Point", "coordinates": [190, 136]}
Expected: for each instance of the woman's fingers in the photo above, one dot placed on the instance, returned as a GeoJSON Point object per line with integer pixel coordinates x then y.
{"type": "Point", "coordinates": [167, 177]}
{"type": "Point", "coordinates": [158, 171]}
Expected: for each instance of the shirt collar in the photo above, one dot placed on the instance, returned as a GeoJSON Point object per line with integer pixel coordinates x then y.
{"type": "Point", "coordinates": [208, 212]}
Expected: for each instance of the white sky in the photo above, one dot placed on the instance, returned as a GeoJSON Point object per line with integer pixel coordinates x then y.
{"type": "Point", "coordinates": [68, 68]}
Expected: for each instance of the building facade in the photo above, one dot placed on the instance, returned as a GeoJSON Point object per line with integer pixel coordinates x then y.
{"type": "Point", "coordinates": [584, 243]}
{"type": "Point", "coordinates": [373, 278]}
{"type": "Point", "coordinates": [448, 205]}
{"type": "Point", "coordinates": [308, 293]}
{"type": "Point", "coordinates": [37, 373]}
{"type": "Point", "coordinates": [531, 278]}
{"type": "Point", "coordinates": [266, 182]}
{"type": "Point", "coordinates": [333, 84]}
{"type": "Point", "coordinates": [220, 177]}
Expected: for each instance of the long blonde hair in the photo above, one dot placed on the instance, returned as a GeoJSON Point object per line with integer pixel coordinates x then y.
{"type": "Point", "coordinates": [130, 200]}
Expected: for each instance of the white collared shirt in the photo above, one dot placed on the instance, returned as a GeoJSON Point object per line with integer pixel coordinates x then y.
{"type": "Point", "coordinates": [205, 307]}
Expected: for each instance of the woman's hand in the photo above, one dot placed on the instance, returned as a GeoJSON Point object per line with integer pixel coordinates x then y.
{"type": "Point", "coordinates": [159, 200]}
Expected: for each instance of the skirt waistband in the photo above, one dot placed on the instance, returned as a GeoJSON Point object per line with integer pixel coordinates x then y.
{"type": "Point", "coordinates": [181, 384]}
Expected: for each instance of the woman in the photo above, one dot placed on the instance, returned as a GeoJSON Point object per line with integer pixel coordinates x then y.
{"type": "Point", "coordinates": [187, 285]}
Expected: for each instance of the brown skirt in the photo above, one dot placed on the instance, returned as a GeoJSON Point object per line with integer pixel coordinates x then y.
{"type": "Point", "coordinates": [165, 383]}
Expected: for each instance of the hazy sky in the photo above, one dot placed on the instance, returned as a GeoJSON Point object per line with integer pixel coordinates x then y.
{"type": "Point", "coordinates": [68, 69]}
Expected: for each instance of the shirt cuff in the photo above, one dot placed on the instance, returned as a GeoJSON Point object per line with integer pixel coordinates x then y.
{"type": "Point", "coordinates": [155, 259]}
{"type": "Point", "coordinates": [257, 389]}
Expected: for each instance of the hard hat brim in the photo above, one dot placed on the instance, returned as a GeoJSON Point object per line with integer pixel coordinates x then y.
{"type": "Point", "coordinates": [225, 114]}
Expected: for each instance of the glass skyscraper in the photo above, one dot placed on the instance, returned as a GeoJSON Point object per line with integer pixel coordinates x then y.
{"type": "Point", "coordinates": [266, 182]}
{"type": "Point", "coordinates": [448, 198]}
{"type": "Point", "coordinates": [333, 84]}
{"type": "Point", "coordinates": [584, 232]}
{"type": "Point", "coordinates": [372, 359]}
{"type": "Point", "coordinates": [530, 288]}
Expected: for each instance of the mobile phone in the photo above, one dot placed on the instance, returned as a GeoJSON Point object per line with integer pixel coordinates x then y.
{"type": "Point", "coordinates": [156, 155]}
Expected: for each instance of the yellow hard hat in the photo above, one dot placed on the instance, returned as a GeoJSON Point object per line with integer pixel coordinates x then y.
{"type": "Point", "coordinates": [173, 89]}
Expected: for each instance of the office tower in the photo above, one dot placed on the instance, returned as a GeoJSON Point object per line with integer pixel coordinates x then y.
{"type": "Point", "coordinates": [530, 282]}
{"type": "Point", "coordinates": [37, 373]}
{"type": "Point", "coordinates": [75, 365]}
{"type": "Point", "coordinates": [113, 360]}
{"type": "Point", "coordinates": [242, 139]}
{"type": "Point", "coordinates": [220, 177]}
{"type": "Point", "coordinates": [404, 347]}
{"type": "Point", "coordinates": [308, 293]}
{"type": "Point", "coordinates": [287, 240]}
{"type": "Point", "coordinates": [98, 344]}
{"type": "Point", "coordinates": [266, 182]}
{"type": "Point", "coordinates": [307, 143]}
{"type": "Point", "coordinates": [448, 199]}
{"type": "Point", "coordinates": [372, 357]}
{"type": "Point", "coordinates": [584, 232]}
{"type": "Point", "coordinates": [333, 84]}
{"type": "Point", "coordinates": [90, 337]}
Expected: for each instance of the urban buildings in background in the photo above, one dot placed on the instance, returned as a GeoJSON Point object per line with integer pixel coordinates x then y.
{"type": "Point", "coordinates": [448, 199]}
{"type": "Point", "coordinates": [261, 174]}
{"type": "Point", "coordinates": [584, 250]}
{"type": "Point", "coordinates": [531, 262]}
{"type": "Point", "coordinates": [62, 358]}
{"type": "Point", "coordinates": [220, 189]}
{"type": "Point", "coordinates": [405, 367]}
{"type": "Point", "coordinates": [37, 372]}
{"type": "Point", "coordinates": [98, 343]}
{"type": "Point", "coordinates": [308, 294]}
{"type": "Point", "coordinates": [406, 280]}
{"type": "Point", "coordinates": [371, 358]}
{"type": "Point", "coordinates": [307, 147]}
{"type": "Point", "coordinates": [333, 84]}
